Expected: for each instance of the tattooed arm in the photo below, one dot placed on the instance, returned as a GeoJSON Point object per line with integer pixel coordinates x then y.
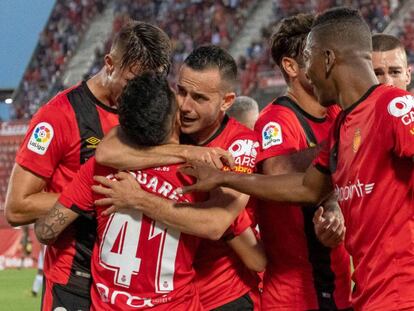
{"type": "Point", "coordinates": [49, 227]}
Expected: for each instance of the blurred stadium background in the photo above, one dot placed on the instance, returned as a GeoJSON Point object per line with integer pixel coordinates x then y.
{"type": "Point", "coordinates": [77, 35]}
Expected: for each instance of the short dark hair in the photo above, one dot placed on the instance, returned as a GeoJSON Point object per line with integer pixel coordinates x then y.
{"type": "Point", "coordinates": [147, 110]}
{"type": "Point", "coordinates": [344, 27]}
{"type": "Point", "coordinates": [382, 42]}
{"type": "Point", "coordinates": [289, 37]}
{"type": "Point", "coordinates": [212, 56]}
{"type": "Point", "coordinates": [144, 44]}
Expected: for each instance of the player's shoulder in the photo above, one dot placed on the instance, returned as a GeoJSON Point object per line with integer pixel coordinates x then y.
{"type": "Point", "coordinates": [58, 106]}
{"type": "Point", "coordinates": [275, 115]}
{"type": "Point", "coordinates": [238, 129]}
{"type": "Point", "coordinates": [393, 101]}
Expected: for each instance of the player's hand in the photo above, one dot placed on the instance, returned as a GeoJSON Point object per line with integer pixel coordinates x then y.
{"type": "Point", "coordinates": [208, 178]}
{"type": "Point", "coordinates": [212, 156]}
{"type": "Point", "coordinates": [329, 227]}
{"type": "Point", "coordinates": [124, 192]}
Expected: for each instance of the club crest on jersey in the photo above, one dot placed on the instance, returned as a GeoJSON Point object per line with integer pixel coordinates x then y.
{"type": "Point", "coordinates": [357, 140]}
{"type": "Point", "coordinates": [41, 137]}
{"type": "Point", "coordinates": [271, 135]}
{"type": "Point", "coordinates": [402, 107]}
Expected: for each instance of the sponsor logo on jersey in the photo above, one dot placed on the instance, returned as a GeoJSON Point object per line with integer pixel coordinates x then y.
{"type": "Point", "coordinates": [244, 152]}
{"type": "Point", "coordinates": [117, 297]}
{"type": "Point", "coordinates": [356, 189]}
{"type": "Point", "coordinates": [402, 107]}
{"type": "Point", "coordinates": [271, 135]}
{"type": "Point", "coordinates": [41, 138]}
{"type": "Point", "coordinates": [357, 140]}
{"type": "Point", "coordinates": [93, 142]}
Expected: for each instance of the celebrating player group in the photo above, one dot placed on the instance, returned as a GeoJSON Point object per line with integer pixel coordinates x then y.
{"type": "Point", "coordinates": [153, 198]}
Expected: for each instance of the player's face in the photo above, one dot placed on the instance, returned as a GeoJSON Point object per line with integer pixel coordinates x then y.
{"type": "Point", "coordinates": [117, 77]}
{"type": "Point", "coordinates": [202, 102]}
{"type": "Point", "coordinates": [315, 68]}
{"type": "Point", "coordinates": [391, 68]}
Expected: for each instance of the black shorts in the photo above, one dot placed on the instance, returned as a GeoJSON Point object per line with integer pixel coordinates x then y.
{"type": "Point", "coordinates": [243, 303]}
{"type": "Point", "coordinates": [62, 296]}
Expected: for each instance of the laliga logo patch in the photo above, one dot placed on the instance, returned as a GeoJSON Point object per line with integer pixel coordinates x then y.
{"type": "Point", "coordinates": [271, 135]}
{"type": "Point", "coordinates": [41, 137]}
{"type": "Point", "coordinates": [401, 105]}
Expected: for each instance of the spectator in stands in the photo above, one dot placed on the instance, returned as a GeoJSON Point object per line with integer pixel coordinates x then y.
{"type": "Point", "coordinates": [245, 110]}
{"type": "Point", "coordinates": [390, 61]}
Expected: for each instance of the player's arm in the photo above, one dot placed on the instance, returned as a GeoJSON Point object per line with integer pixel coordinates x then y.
{"type": "Point", "coordinates": [209, 219]}
{"type": "Point", "coordinates": [310, 187]}
{"type": "Point", "coordinates": [26, 201]}
{"type": "Point", "coordinates": [250, 250]}
{"type": "Point", "coordinates": [296, 162]}
{"type": "Point", "coordinates": [113, 152]}
{"type": "Point", "coordinates": [49, 227]}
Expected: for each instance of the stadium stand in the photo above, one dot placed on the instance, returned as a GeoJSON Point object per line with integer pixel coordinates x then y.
{"type": "Point", "coordinates": [257, 67]}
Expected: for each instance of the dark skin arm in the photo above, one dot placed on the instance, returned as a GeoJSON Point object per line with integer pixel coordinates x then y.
{"type": "Point", "coordinates": [26, 201]}
{"type": "Point", "coordinates": [114, 152]}
{"type": "Point", "coordinates": [328, 220]}
{"type": "Point", "coordinates": [310, 187]}
{"type": "Point", "coordinates": [49, 227]}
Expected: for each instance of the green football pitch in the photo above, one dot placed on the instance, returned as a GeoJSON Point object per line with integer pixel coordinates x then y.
{"type": "Point", "coordinates": [15, 290]}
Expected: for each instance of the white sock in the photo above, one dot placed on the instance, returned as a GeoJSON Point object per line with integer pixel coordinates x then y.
{"type": "Point", "coordinates": [37, 283]}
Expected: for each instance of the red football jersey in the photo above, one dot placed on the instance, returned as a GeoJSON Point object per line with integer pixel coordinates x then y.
{"type": "Point", "coordinates": [221, 276]}
{"type": "Point", "coordinates": [301, 274]}
{"type": "Point", "coordinates": [370, 159]}
{"type": "Point", "coordinates": [137, 262]}
{"type": "Point", "coordinates": [61, 136]}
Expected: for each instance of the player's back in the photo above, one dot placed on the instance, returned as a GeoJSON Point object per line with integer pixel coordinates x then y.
{"type": "Point", "coordinates": [141, 263]}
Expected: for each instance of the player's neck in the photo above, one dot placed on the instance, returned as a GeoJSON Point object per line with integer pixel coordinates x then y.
{"type": "Point", "coordinates": [306, 101]}
{"type": "Point", "coordinates": [97, 86]}
{"type": "Point", "coordinates": [354, 84]}
{"type": "Point", "coordinates": [204, 135]}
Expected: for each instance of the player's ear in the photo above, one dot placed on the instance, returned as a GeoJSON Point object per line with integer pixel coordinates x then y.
{"type": "Point", "coordinates": [109, 64]}
{"type": "Point", "coordinates": [290, 66]}
{"type": "Point", "coordinates": [228, 100]}
{"type": "Point", "coordinates": [329, 61]}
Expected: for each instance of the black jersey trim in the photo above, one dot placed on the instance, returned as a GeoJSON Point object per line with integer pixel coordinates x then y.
{"type": "Point", "coordinates": [323, 169]}
{"type": "Point", "coordinates": [301, 115]}
{"type": "Point", "coordinates": [319, 257]}
{"type": "Point", "coordinates": [97, 101]}
{"type": "Point", "coordinates": [286, 99]}
{"type": "Point", "coordinates": [186, 139]}
{"type": "Point", "coordinates": [364, 97]}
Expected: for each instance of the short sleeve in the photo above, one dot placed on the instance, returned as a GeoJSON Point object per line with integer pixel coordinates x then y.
{"type": "Point", "coordinates": [78, 195]}
{"type": "Point", "coordinates": [46, 141]}
{"type": "Point", "coordinates": [400, 109]}
{"type": "Point", "coordinates": [240, 224]}
{"type": "Point", "coordinates": [279, 133]}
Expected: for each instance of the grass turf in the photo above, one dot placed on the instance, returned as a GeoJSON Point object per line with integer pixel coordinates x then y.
{"type": "Point", "coordinates": [16, 290]}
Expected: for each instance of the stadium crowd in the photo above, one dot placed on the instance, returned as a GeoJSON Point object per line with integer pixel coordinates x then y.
{"type": "Point", "coordinates": [257, 61]}
{"type": "Point", "coordinates": [57, 42]}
